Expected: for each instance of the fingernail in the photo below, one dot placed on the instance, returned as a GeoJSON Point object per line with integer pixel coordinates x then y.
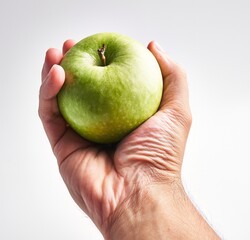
{"type": "Point", "coordinates": [51, 70]}
{"type": "Point", "coordinates": [48, 77]}
{"type": "Point", "coordinates": [158, 46]}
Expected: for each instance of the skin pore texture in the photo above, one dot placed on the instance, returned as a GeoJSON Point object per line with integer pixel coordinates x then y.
{"type": "Point", "coordinates": [131, 190]}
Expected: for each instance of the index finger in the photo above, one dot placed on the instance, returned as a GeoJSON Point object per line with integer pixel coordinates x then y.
{"type": "Point", "coordinates": [54, 56]}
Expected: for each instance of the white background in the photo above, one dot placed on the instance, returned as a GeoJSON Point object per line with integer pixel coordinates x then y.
{"type": "Point", "coordinates": [210, 39]}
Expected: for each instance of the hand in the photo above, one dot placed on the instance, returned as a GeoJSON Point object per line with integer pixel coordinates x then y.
{"type": "Point", "coordinates": [109, 183]}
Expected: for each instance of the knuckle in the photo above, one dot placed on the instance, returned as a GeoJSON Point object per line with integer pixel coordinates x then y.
{"type": "Point", "coordinates": [41, 113]}
{"type": "Point", "coordinates": [182, 115]}
{"type": "Point", "coordinates": [181, 71]}
{"type": "Point", "coordinates": [188, 118]}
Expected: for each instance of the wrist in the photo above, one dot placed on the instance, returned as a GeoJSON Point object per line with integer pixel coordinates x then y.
{"type": "Point", "coordinates": [158, 212]}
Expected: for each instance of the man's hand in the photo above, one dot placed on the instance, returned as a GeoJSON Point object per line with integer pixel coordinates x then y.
{"type": "Point", "coordinates": [122, 187]}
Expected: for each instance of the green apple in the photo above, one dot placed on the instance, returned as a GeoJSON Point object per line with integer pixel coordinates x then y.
{"type": "Point", "coordinates": [113, 84]}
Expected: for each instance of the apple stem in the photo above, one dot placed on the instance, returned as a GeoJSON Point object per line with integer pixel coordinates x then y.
{"type": "Point", "coordinates": [101, 52]}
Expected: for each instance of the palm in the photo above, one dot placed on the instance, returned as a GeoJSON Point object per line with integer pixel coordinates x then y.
{"type": "Point", "coordinates": [101, 178]}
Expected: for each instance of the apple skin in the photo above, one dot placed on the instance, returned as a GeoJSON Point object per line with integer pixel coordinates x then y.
{"type": "Point", "coordinates": [105, 103]}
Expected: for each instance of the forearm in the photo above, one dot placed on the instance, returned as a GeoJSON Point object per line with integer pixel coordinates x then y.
{"type": "Point", "coordinates": [161, 212]}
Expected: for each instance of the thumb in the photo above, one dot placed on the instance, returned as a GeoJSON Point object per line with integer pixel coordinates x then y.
{"type": "Point", "coordinates": [175, 92]}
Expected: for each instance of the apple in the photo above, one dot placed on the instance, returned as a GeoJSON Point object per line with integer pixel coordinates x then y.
{"type": "Point", "coordinates": [113, 84]}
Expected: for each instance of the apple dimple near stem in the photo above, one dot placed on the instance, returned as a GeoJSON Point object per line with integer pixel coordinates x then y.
{"type": "Point", "coordinates": [101, 52]}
